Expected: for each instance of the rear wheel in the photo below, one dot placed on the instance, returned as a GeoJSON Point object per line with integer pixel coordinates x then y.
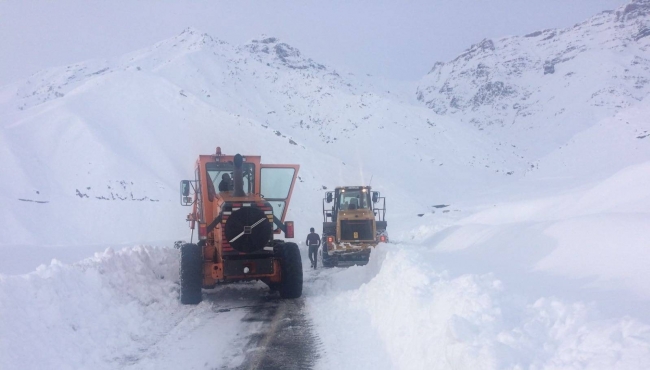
{"type": "Point", "coordinates": [291, 264]}
{"type": "Point", "coordinates": [191, 273]}
{"type": "Point", "coordinates": [328, 261]}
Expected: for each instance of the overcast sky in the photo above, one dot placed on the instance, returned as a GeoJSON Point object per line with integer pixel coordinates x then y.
{"type": "Point", "coordinates": [399, 40]}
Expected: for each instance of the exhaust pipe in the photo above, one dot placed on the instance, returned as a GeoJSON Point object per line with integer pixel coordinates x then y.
{"type": "Point", "coordinates": [238, 177]}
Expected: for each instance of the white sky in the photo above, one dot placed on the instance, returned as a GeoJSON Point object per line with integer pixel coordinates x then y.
{"type": "Point", "coordinates": [399, 40]}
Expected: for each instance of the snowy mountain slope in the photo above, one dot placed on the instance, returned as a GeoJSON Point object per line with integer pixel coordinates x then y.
{"type": "Point", "coordinates": [600, 151]}
{"type": "Point", "coordinates": [575, 244]}
{"type": "Point", "coordinates": [113, 138]}
{"type": "Point", "coordinates": [537, 91]}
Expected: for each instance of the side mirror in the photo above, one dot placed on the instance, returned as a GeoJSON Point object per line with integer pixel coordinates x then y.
{"type": "Point", "coordinates": [328, 214]}
{"type": "Point", "coordinates": [329, 198]}
{"type": "Point", "coordinates": [186, 199]}
{"type": "Point", "coordinates": [375, 196]}
{"type": "Point", "coordinates": [185, 188]}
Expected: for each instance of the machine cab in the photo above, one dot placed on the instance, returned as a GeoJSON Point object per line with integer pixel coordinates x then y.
{"type": "Point", "coordinates": [219, 184]}
{"type": "Point", "coordinates": [355, 214]}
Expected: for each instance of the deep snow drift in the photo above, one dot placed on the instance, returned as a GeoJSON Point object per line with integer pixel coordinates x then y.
{"type": "Point", "coordinates": [94, 314]}
{"type": "Point", "coordinates": [119, 310]}
{"type": "Point", "coordinates": [410, 315]}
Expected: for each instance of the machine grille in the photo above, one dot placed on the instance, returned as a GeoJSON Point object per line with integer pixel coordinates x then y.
{"type": "Point", "coordinates": [356, 230]}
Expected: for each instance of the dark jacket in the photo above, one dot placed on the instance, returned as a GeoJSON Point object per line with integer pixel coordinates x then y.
{"type": "Point", "coordinates": [313, 239]}
{"type": "Point", "coordinates": [224, 185]}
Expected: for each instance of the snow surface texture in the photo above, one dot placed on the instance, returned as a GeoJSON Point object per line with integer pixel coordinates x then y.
{"type": "Point", "coordinates": [518, 203]}
{"type": "Point", "coordinates": [101, 309]}
{"type": "Point", "coordinates": [424, 319]}
{"type": "Point", "coordinates": [117, 310]}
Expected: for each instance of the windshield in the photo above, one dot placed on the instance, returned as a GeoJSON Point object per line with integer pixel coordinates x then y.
{"type": "Point", "coordinates": [350, 199]}
{"type": "Point", "coordinates": [276, 184]}
{"type": "Point", "coordinates": [220, 175]}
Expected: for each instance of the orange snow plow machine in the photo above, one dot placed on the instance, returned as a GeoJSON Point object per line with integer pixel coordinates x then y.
{"type": "Point", "coordinates": [239, 206]}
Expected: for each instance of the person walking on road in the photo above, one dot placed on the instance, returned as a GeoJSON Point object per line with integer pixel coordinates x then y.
{"type": "Point", "coordinates": [313, 241]}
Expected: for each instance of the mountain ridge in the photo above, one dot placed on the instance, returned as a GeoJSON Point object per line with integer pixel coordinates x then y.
{"type": "Point", "coordinates": [75, 134]}
{"type": "Point", "coordinates": [538, 91]}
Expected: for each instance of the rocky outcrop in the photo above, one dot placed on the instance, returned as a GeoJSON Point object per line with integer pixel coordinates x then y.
{"type": "Point", "coordinates": [594, 68]}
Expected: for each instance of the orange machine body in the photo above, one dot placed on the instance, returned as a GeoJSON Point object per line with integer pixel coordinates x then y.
{"type": "Point", "coordinates": [211, 207]}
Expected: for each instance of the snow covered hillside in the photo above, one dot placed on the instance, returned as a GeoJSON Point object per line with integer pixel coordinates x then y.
{"type": "Point", "coordinates": [516, 184]}
{"type": "Point", "coordinates": [539, 91]}
{"type": "Point", "coordinates": [103, 144]}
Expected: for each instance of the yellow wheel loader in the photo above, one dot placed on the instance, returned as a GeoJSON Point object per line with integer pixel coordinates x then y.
{"type": "Point", "coordinates": [354, 221]}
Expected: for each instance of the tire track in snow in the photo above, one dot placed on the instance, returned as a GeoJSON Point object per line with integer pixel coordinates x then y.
{"type": "Point", "coordinates": [285, 339]}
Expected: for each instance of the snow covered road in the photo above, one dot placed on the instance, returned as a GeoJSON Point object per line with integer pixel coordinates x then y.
{"type": "Point", "coordinates": [236, 327]}
{"type": "Point", "coordinates": [284, 339]}
{"type": "Point", "coordinates": [120, 310]}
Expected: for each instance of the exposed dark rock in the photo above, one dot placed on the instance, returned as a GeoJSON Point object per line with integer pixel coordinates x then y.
{"type": "Point", "coordinates": [98, 72]}
{"type": "Point", "coordinates": [534, 34]}
{"type": "Point", "coordinates": [635, 9]}
{"type": "Point", "coordinates": [549, 67]}
{"type": "Point", "coordinates": [484, 46]}
{"type": "Point", "coordinates": [436, 66]}
{"type": "Point", "coordinates": [550, 36]}
{"type": "Point", "coordinates": [490, 92]}
{"type": "Point", "coordinates": [643, 32]}
{"type": "Point", "coordinates": [80, 194]}
{"type": "Point", "coordinates": [268, 40]}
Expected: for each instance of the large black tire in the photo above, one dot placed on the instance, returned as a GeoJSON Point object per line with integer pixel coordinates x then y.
{"type": "Point", "coordinates": [291, 264]}
{"type": "Point", "coordinates": [191, 273]}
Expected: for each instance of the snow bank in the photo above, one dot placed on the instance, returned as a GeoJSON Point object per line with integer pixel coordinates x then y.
{"type": "Point", "coordinates": [585, 243]}
{"type": "Point", "coordinates": [412, 316]}
{"type": "Point", "coordinates": [99, 313]}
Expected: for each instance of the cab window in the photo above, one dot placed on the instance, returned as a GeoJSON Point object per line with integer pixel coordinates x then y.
{"type": "Point", "coordinates": [351, 199]}
{"type": "Point", "coordinates": [276, 182]}
{"type": "Point", "coordinates": [217, 170]}
{"type": "Point", "coordinates": [275, 186]}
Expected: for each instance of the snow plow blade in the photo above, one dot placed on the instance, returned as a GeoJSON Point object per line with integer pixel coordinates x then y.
{"type": "Point", "coordinates": [346, 259]}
